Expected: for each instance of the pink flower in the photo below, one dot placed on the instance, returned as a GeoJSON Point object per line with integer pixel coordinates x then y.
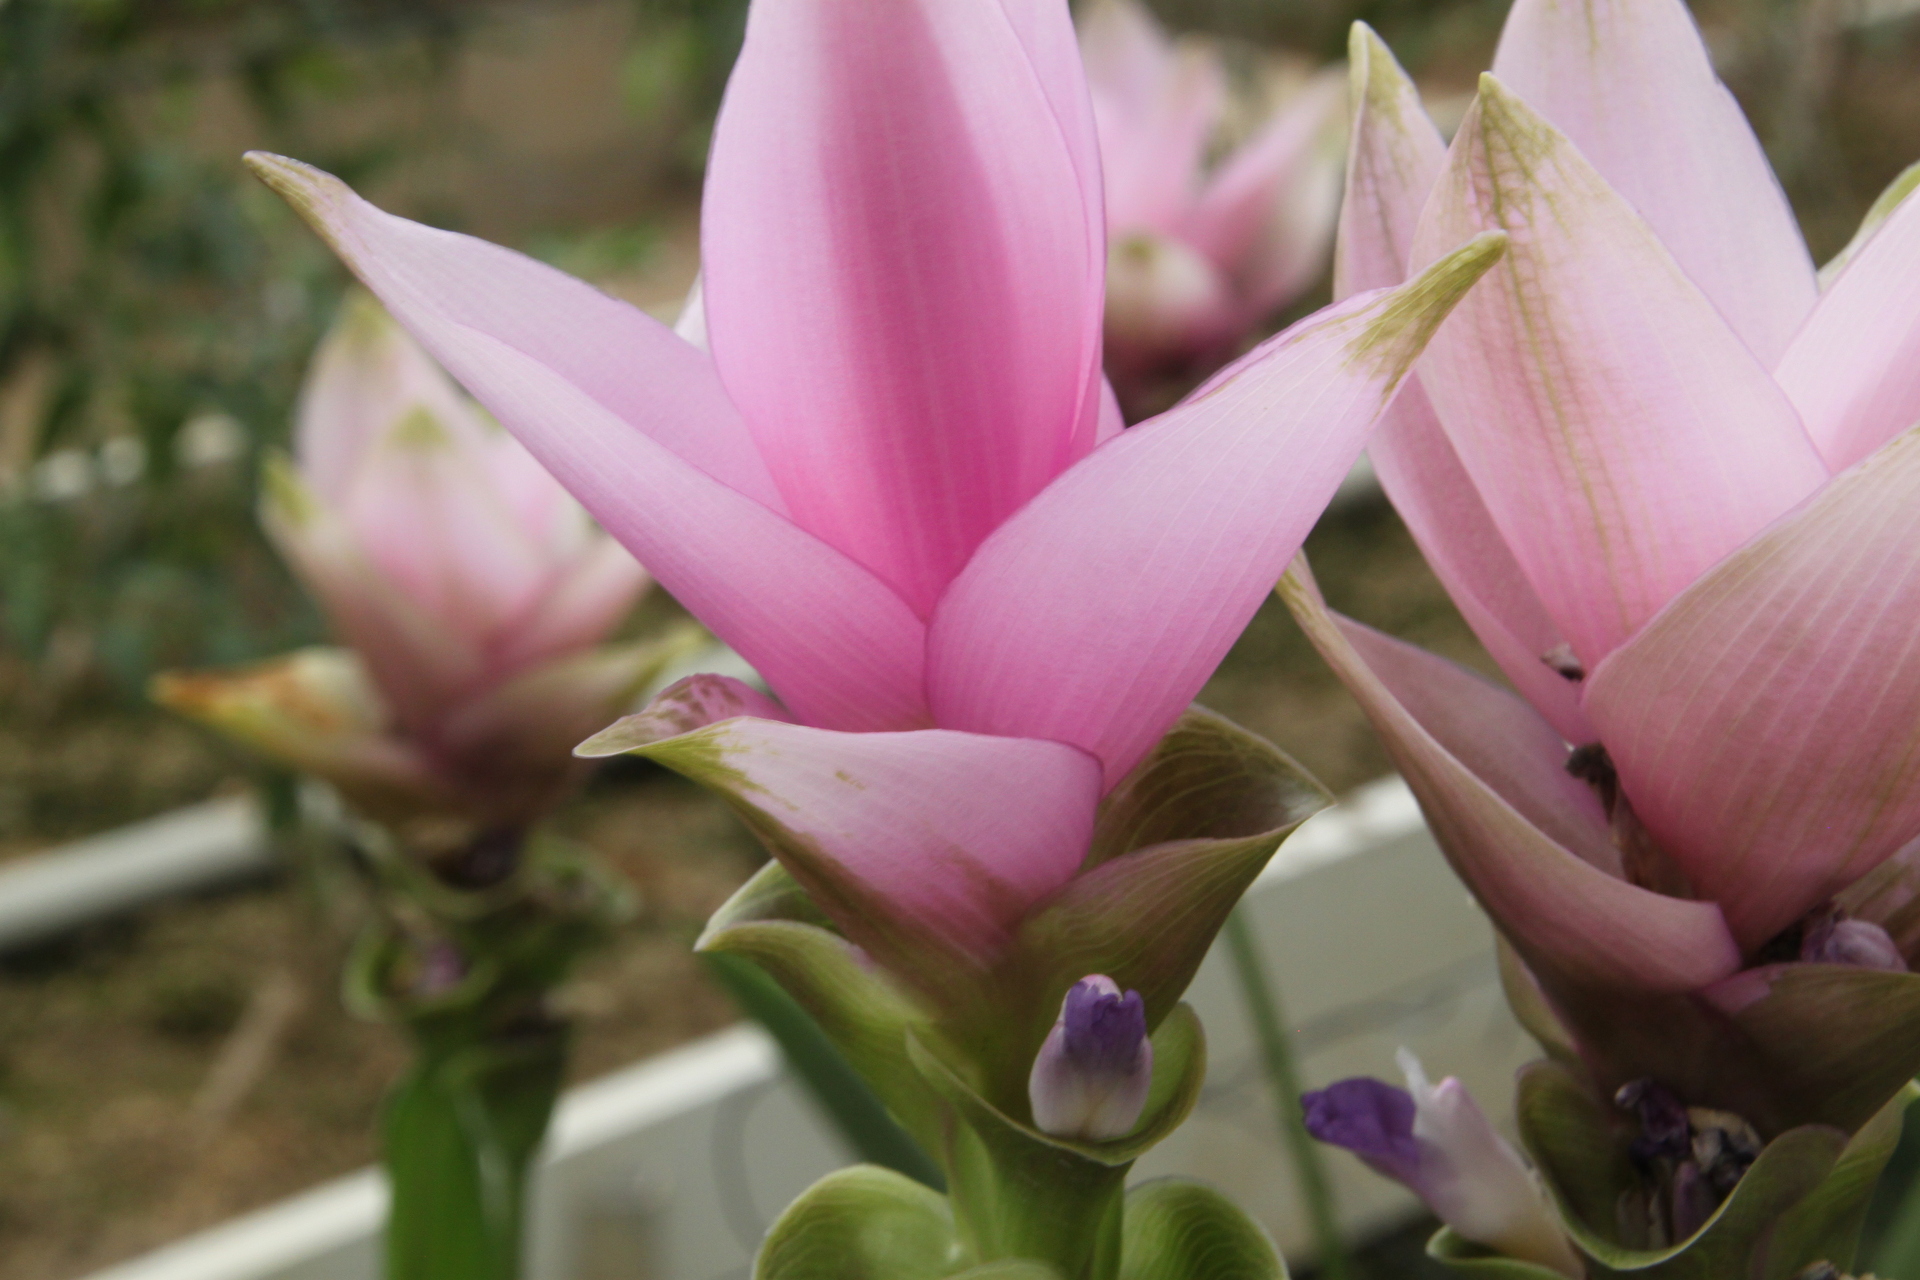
{"type": "Point", "coordinates": [1669, 481]}
{"type": "Point", "coordinates": [1199, 254]}
{"type": "Point", "coordinates": [897, 485]}
{"type": "Point", "coordinates": [472, 589]}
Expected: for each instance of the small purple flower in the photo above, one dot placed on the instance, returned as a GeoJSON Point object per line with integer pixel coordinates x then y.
{"type": "Point", "coordinates": [1090, 1077]}
{"type": "Point", "coordinates": [1437, 1142]}
{"type": "Point", "coordinates": [1370, 1118]}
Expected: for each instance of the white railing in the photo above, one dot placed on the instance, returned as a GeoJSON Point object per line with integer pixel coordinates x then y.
{"type": "Point", "coordinates": [671, 1169]}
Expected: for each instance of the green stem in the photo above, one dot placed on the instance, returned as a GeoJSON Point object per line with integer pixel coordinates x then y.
{"type": "Point", "coordinates": [460, 1132]}
{"type": "Point", "coordinates": [854, 1108]}
{"type": "Point", "coordinates": [1269, 1024]}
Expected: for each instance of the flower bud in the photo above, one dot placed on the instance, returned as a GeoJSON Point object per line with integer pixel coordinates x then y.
{"type": "Point", "coordinates": [1437, 1141]}
{"type": "Point", "coordinates": [1835, 939]}
{"type": "Point", "coordinates": [1090, 1078]}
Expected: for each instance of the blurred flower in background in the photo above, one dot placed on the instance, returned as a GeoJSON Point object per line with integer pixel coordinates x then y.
{"type": "Point", "coordinates": [1206, 240]}
{"type": "Point", "coordinates": [473, 590]}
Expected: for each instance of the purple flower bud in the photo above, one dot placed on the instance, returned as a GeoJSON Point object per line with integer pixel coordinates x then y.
{"type": "Point", "coordinates": [1370, 1118]}
{"type": "Point", "coordinates": [1090, 1078]}
{"type": "Point", "coordinates": [1437, 1141]}
{"type": "Point", "coordinates": [1833, 940]}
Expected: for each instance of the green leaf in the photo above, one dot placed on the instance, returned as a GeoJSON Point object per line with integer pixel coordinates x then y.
{"type": "Point", "coordinates": [1529, 1004]}
{"type": "Point", "coordinates": [862, 1223]}
{"type": "Point", "coordinates": [1580, 1146]}
{"type": "Point", "coordinates": [771, 922]}
{"type": "Point", "coordinates": [1181, 1230]}
{"type": "Point", "coordinates": [1021, 1193]}
{"type": "Point", "coordinates": [1206, 779]}
{"type": "Point", "coordinates": [1836, 1041]}
{"type": "Point", "coordinates": [855, 1109]}
{"type": "Point", "coordinates": [1176, 845]}
{"type": "Point", "coordinates": [1477, 1262]}
{"type": "Point", "coordinates": [771, 893]}
{"type": "Point", "coordinates": [1826, 1225]}
{"type": "Point", "coordinates": [459, 1133]}
{"type": "Point", "coordinates": [1009, 1269]}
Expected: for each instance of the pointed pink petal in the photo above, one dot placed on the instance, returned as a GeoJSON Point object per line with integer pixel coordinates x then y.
{"type": "Point", "coordinates": [366, 375]}
{"type": "Point", "coordinates": [683, 706]}
{"type": "Point", "coordinates": [902, 271]}
{"type": "Point", "coordinates": [840, 647]}
{"type": "Point", "coordinates": [1622, 437]}
{"type": "Point", "coordinates": [1396, 157]}
{"type": "Point", "coordinates": [1629, 81]}
{"type": "Point", "coordinates": [1854, 370]}
{"type": "Point", "coordinates": [1096, 613]}
{"type": "Point", "coordinates": [610, 352]}
{"type": "Point", "coordinates": [1432, 492]}
{"type": "Point", "coordinates": [900, 845]}
{"type": "Point", "coordinates": [1565, 914]}
{"type": "Point", "coordinates": [1766, 725]}
{"type": "Point", "coordinates": [1267, 216]}
{"type": "Point", "coordinates": [1156, 108]}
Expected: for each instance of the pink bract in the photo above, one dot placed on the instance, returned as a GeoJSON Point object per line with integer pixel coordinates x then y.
{"type": "Point", "coordinates": [1671, 485]}
{"type": "Point", "coordinates": [898, 485]}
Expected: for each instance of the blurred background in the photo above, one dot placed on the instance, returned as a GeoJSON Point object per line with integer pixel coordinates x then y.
{"type": "Point", "coordinates": [157, 308]}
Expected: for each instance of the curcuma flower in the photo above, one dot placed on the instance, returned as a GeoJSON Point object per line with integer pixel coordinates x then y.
{"type": "Point", "coordinates": [1435, 1140]}
{"type": "Point", "coordinates": [472, 590]}
{"type": "Point", "coordinates": [1201, 250]}
{"type": "Point", "coordinates": [1670, 482]}
{"type": "Point", "coordinates": [898, 485]}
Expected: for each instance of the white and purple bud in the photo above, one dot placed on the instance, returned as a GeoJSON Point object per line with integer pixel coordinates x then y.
{"type": "Point", "coordinates": [1838, 939]}
{"type": "Point", "coordinates": [1436, 1141]}
{"type": "Point", "coordinates": [1090, 1077]}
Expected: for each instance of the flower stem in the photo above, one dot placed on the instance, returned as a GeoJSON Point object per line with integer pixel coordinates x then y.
{"type": "Point", "coordinates": [847, 1099]}
{"type": "Point", "coordinates": [1269, 1023]}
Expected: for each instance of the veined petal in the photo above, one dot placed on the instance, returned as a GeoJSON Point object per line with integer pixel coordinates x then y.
{"type": "Point", "coordinates": [1622, 437]}
{"type": "Point", "coordinates": [1854, 370]}
{"type": "Point", "coordinates": [892, 834]}
{"type": "Point", "coordinates": [1396, 157]}
{"type": "Point", "coordinates": [901, 292]}
{"type": "Point", "coordinates": [1564, 914]}
{"type": "Point", "coordinates": [612, 353]}
{"type": "Point", "coordinates": [1156, 106]}
{"type": "Point", "coordinates": [841, 648]}
{"type": "Point", "coordinates": [1096, 613]}
{"type": "Point", "coordinates": [1497, 737]}
{"type": "Point", "coordinates": [1432, 492]}
{"type": "Point", "coordinates": [1629, 81]}
{"type": "Point", "coordinates": [1766, 725]}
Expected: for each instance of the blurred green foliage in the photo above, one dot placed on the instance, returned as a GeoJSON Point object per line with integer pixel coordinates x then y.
{"type": "Point", "coordinates": [156, 310]}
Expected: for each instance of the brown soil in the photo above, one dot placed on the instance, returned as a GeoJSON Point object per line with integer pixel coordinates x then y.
{"type": "Point", "coordinates": [107, 1038]}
